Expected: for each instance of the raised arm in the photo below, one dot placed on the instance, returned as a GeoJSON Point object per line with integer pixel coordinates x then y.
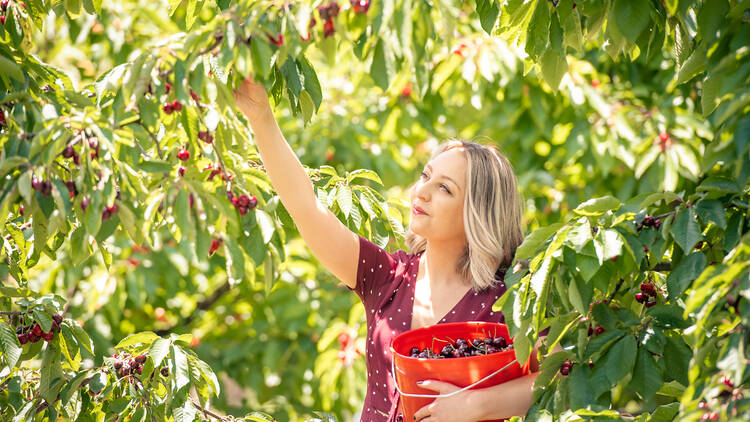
{"type": "Point", "coordinates": [335, 246]}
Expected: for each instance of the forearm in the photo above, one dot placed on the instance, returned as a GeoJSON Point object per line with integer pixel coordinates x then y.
{"type": "Point", "coordinates": [512, 398]}
{"type": "Point", "coordinates": [287, 175]}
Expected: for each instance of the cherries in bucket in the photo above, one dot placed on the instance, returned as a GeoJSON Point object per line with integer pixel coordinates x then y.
{"type": "Point", "coordinates": [428, 353]}
{"type": "Point", "coordinates": [462, 348]}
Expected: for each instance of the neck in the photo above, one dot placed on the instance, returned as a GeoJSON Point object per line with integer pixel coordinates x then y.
{"type": "Point", "coordinates": [439, 261]}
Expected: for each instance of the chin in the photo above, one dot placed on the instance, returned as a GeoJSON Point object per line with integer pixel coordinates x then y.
{"type": "Point", "coordinates": [419, 231]}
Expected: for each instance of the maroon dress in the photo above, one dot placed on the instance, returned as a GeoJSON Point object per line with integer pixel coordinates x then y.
{"type": "Point", "coordinates": [385, 284]}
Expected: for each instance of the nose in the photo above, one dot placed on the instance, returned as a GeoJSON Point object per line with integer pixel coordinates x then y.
{"type": "Point", "coordinates": [422, 191]}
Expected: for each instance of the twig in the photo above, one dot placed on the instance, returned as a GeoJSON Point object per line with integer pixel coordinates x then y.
{"type": "Point", "coordinates": [663, 266]}
{"type": "Point", "coordinates": [158, 147]}
{"type": "Point", "coordinates": [201, 306]}
{"type": "Point", "coordinates": [619, 284]}
{"type": "Point", "coordinates": [207, 412]}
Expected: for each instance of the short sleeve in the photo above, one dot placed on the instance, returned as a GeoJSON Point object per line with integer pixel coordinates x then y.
{"type": "Point", "coordinates": [376, 271]}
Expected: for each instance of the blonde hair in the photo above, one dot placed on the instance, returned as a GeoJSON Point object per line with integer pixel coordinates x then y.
{"type": "Point", "coordinates": [492, 214]}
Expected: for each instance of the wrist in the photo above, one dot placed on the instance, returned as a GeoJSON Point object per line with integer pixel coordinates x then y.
{"type": "Point", "coordinates": [477, 405]}
{"type": "Point", "coordinates": [259, 118]}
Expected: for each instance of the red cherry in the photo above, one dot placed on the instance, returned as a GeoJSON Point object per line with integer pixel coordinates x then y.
{"type": "Point", "coordinates": [176, 105]}
{"type": "Point", "coordinates": [595, 83]}
{"type": "Point", "coordinates": [195, 96]}
{"type": "Point", "coordinates": [48, 336]}
{"type": "Point", "coordinates": [727, 382]}
{"type": "Point", "coordinates": [168, 108]}
{"type": "Point", "coordinates": [37, 330]}
{"type": "Point", "coordinates": [599, 329]}
{"type": "Point", "coordinates": [328, 28]}
{"type": "Point", "coordinates": [2, 20]}
{"type": "Point", "coordinates": [663, 136]}
{"type": "Point", "coordinates": [20, 209]}
{"type": "Point", "coordinates": [181, 171]}
{"type": "Point", "coordinates": [168, 87]}
{"type": "Point", "coordinates": [183, 154]}
{"type": "Point", "coordinates": [277, 41]}
{"type": "Point", "coordinates": [360, 6]}
{"type": "Point", "coordinates": [640, 297]}
{"type": "Point", "coordinates": [215, 244]}
{"type": "Point", "coordinates": [344, 339]}
{"type": "Point", "coordinates": [23, 339]}
{"type": "Point", "coordinates": [68, 152]}
{"type": "Point", "coordinates": [406, 91]}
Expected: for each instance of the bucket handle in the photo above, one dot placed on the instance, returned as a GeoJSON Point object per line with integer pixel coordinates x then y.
{"type": "Point", "coordinates": [432, 396]}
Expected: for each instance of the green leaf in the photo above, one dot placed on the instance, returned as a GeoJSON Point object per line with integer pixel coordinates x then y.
{"type": "Point", "coordinates": [307, 105]}
{"type": "Point", "coordinates": [155, 166]}
{"type": "Point", "coordinates": [531, 244]}
{"type": "Point", "coordinates": [10, 68]}
{"type": "Point", "coordinates": [344, 199]}
{"type": "Point", "coordinates": [363, 174]}
{"type": "Point", "coordinates": [158, 350]}
{"type": "Point", "coordinates": [24, 186]}
{"type": "Point", "coordinates": [665, 413]}
{"type": "Point", "coordinates": [84, 341]}
{"type": "Point", "coordinates": [619, 361]}
{"type": "Point", "coordinates": [292, 76]}
{"type": "Point", "coordinates": [43, 318]}
{"type": "Point", "coordinates": [312, 85]}
{"type": "Point", "coordinates": [183, 411]}
{"type": "Point", "coordinates": [382, 67]}
{"type": "Point", "coordinates": [180, 369]}
{"type": "Point", "coordinates": [632, 17]}
{"type": "Point", "coordinates": [261, 53]}
{"type": "Point", "coordinates": [9, 345]}
{"type": "Point", "coordinates": [190, 123]}
{"type": "Point", "coordinates": [598, 206]}
{"type": "Point", "coordinates": [487, 11]}
{"type": "Point", "coordinates": [683, 275]}
{"type": "Point", "coordinates": [235, 259]}
{"type": "Point", "coordinates": [711, 210]}
{"type": "Point", "coordinates": [145, 338]}
{"type": "Point", "coordinates": [51, 375]}
{"type": "Point", "coordinates": [554, 66]}
{"type": "Point", "coordinates": [98, 382]}
{"type": "Point", "coordinates": [266, 225]}
{"type": "Point", "coordinates": [668, 316]}
{"type": "Point", "coordinates": [537, 34]}
{"type": "Point", "coordinates": [685, 230]}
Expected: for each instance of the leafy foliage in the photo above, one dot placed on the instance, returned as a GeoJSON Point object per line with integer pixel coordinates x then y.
{"type": "Point", "coordinates": [626, 122]}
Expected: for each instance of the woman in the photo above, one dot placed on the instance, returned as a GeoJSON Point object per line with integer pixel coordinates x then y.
{"type": "Point", "coordinates": [465, 226]}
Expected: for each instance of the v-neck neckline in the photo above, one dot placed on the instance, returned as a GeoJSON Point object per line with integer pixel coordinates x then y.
{"type": "Point", "coordinates": [414, 297]}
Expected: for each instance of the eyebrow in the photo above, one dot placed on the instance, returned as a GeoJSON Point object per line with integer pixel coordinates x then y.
{"type": "Point", "coordinates": [445, 177]}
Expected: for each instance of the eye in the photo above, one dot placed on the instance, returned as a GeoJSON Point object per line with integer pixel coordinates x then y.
{"type": "Point", "coordinates": [423, 175]}
{"type": "Point", "coordinates": [445, 188]}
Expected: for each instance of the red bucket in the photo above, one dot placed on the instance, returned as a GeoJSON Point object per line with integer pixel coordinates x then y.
{"type": "Point", "coordinates": [461, 372]}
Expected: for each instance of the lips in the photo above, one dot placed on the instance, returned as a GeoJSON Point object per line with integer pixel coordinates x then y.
{"type": "Point", "coordinates": [419, 211]}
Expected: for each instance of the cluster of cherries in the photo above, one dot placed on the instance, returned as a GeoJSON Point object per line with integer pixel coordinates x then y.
{"type": "Point", "coordinates": [242, 203]}
{"type": "Point", "coordinates": [3, 8]}
{"type": "Point", "coordinates": [127, 364]}
{"type": "Point", "coordinates": [650, 221]}
{"type": "Point", "coordinates": [3, 122]}
{"type": "Point", "coordinates": [34, 333]}
{"type": "Point", "coordinates": [648, 291]}
{"type": "Point", "coordinates": [463, 348]}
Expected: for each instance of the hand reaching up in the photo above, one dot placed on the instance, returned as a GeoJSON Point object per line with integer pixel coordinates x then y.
{"type": "Point", "coordinates": [251, 98]}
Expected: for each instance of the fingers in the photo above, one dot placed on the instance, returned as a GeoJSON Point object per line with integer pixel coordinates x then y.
{"type": "Point", "coordinates": [439, 386]}
{"type": "Point", "coordinates": [424, 412]}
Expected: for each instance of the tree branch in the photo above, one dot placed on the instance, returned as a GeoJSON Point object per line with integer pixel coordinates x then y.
{"type": "Point", "coordinates": [201, 306]}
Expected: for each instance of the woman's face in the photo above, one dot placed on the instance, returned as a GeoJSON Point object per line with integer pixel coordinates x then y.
{"type": "Point", "coordinates": [437, 199]}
